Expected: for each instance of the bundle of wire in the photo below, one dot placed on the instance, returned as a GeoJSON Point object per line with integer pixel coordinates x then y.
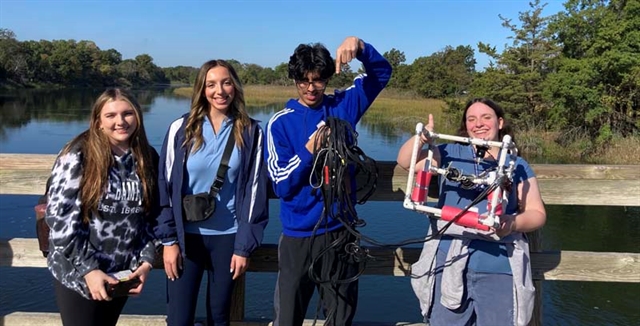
{"type": "Point", "coordinates": [338, 162]}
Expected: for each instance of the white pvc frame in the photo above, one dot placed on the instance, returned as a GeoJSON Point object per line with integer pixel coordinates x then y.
{"type": "Point", "coordinates": [507, 149]}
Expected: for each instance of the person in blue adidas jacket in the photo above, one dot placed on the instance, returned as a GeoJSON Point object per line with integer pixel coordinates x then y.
{"type": "Point", "coordinates": [189, 160]}
{"type": "Point", "coordinates": [290, 145]}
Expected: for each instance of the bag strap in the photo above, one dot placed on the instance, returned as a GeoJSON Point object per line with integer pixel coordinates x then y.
{"type": "Point", "coordinates": [224, 165]}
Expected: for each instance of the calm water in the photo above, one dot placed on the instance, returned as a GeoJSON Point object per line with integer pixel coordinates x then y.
{"type": "Point", "coordinates": [42, 122]}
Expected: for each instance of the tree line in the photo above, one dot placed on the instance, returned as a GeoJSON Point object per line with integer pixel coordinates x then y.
{"type": "Point", "coordinates": [577, 71]}
{"type": "Point", "coordinates": [70, 63]}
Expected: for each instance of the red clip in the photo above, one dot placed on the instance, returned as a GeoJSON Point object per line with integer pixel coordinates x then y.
{"type": "Point", "coordinates": [326, 174]}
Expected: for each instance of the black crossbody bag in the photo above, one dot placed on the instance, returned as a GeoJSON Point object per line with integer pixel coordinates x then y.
{"type": "Point", "coordinates": [199, 207]}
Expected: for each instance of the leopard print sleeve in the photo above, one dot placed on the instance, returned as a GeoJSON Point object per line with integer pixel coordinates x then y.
{"type": "Point", "coordinates": [71, 250]}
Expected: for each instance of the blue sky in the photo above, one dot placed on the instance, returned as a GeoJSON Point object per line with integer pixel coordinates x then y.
{"type": "Point", "coordinates": [264, 32]}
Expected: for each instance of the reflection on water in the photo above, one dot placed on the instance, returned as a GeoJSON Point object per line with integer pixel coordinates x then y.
{"type": "Point", "coordinates": [27, 119]}
{"type": "Point", "coordinates": [20, 107]}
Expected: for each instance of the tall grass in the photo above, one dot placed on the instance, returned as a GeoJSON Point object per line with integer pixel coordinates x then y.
{"type": "Point", "coordinates": [403, 114]}
{"type": "Point", "coordinates": [400, 111]}
{"type": "Point", "coordinates": [620, 151]}
{"type": "Point", "coordinates": [255, 95]}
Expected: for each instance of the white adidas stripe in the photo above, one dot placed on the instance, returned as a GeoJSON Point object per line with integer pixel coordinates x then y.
{"type": "Point", "coordinates": [276, 172]}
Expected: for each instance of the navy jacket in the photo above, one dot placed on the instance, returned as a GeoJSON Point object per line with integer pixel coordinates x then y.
{"type": "Point", "coordinates": [252, 203]}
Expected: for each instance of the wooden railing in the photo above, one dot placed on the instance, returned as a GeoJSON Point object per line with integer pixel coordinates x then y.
{"type": "Point", "coordinates": [560, 185]}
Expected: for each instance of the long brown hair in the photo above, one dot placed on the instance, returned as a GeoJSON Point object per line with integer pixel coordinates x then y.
{"type": "Point", "coordinates": [97, 158]}
{"type": "Point", "coordinates": [200, 107]}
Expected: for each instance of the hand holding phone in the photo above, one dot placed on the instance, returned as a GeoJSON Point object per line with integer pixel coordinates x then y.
{"type": "Point", "coordinates": [122, 288]}
{"type": "Point", "coordinates": [126, 283]}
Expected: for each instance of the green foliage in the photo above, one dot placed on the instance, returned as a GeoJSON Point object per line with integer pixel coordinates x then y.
{"type": "Point", "coordinates": [514, 77]}
{"type": "Point", "coordinates": [344, 78]}
{"type": "Point", "coordinates": [443, 74]}
{"type": "Point", "coordinates": [454, 111]}
{"type": "Point", "coordinates": [396, 59]}
{"type": "Point", "coordinates": [71, 63]}
{"type": "Point", "coordinates": [596, 86]}
{"type": "Point", "coordinates": [577, 72]}
{"type": "Point", "coordinates": [181, 75]}
{"type": "Point", "coordinates": [281, 75]}
{"type": "Point", "coordinates": [12, 60]}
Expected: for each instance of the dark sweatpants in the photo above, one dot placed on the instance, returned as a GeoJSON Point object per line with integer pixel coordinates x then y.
{"type": "Point", "coordinates": [76, 310]}
{"type": "Point", "coordinates": [211, 253]}
{"type": "Point", "coordinates": [294, 288]}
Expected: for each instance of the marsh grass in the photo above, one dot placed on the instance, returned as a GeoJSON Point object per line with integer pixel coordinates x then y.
{"type": "Point", "coordinates": [400, 111]}
{"type": "Point", "coordinates": [403, 114]}
{"type": "Point", "coordinates": [620, 151]}
{"type": "Point", "coordinates": [255, 95]}
{"type": "Point", "coordinates": [268, 95]}
{"type": "Point", "coordinates": [183, 91]}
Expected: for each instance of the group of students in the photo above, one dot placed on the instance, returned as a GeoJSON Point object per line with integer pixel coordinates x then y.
{"type": "Point", "coordinates": [114, 202]}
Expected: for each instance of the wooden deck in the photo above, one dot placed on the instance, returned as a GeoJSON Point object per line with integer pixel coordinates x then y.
{"type": "Point", "coordinates": [604, 185]}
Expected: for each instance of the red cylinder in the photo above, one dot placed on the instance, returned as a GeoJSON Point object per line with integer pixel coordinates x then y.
{"type": "Point", "coordinates": [421, 187]}
{"type": "Point", "coordinates": [469, 219]}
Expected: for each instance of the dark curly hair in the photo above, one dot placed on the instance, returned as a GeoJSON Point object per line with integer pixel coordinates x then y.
{"type": "Point", "coordinates": [311, 58]}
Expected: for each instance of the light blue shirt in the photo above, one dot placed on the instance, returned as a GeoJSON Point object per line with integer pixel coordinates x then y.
{"type": "Point", "coordinates": [201, 169]}
{"type": "Point", "coordinates": [485, 256]}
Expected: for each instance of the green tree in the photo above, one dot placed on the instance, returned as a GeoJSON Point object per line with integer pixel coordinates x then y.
{"type": "Point", "coordinates": [461, 66]}
{"type": "Point", "coordinates": [597, 84]}
{"type": "Point", "coordinates": [427, 77]}
{"type": "Point", "coordinates": [13, 60]}
{"type": "Point", "coordinates": [249, 74]}
{"type": "Point", "coordinates": [515, 78]}
{"type": "Point", "coordinates": [401, 76]}
{"type": "Point", "coordinates": [443, 74]}
{"type": "Point", "coordinates": [281, 75]}
{"type": "Point", "coordinates": [266, 76]}
{"type": "Point", "coordinates": [344, 78]}
{"type": "Point", "coordinates": [239, 67]}
{"type": "Point", "coordinates": [396, 59]}
{"type": "Point", "coordinates": [181, 74]}
{"type": "Point", "coordinates": [148, 72]}
{"type": "Point", "coordinates": [108, 66]}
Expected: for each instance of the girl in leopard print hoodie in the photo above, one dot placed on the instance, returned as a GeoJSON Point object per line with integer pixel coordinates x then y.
{"type": "Point", "coordinates": [101, 209]}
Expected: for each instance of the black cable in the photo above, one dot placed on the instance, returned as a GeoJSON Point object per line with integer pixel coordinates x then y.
{"type": "Point", "coordinates": [337, 160]}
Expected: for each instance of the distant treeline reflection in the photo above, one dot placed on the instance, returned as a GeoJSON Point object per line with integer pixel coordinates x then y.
{"type": "Point", "coordinates": [19, 107]}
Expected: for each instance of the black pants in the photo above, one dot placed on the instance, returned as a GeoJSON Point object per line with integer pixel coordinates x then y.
{"type": "Point", "coordinates": [76, 310]}
{"type": "Point", "coordinates": [294, 287]}
{"type": "Point", "coordinates": [210, 253]}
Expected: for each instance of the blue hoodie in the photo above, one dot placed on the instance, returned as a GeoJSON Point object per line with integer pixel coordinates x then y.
{"type": "Point", "coordinates": [289, 162]}
{"type": "Point", "coordinates": [251, 203]}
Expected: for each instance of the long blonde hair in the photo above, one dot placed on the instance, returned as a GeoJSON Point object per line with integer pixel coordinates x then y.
{"type": "Point", "coordinates": [97, 158]}
{"type": "Point", "coordinates": [200, 107]}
